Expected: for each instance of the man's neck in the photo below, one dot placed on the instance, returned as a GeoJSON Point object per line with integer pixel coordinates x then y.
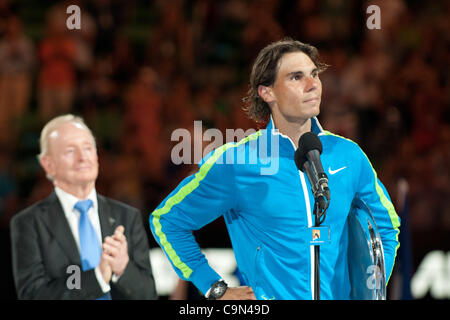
{"type": "Point", "coordinates": [294, 130]}
{"type": "Point", "coordinates": [79, 191]}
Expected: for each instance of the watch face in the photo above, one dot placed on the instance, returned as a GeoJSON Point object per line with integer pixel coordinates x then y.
{"type": "Point", "coordinates": [218, 290]}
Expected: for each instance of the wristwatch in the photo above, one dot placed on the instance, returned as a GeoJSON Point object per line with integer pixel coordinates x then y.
{"type": "Point", "coordinates": [217, 290]}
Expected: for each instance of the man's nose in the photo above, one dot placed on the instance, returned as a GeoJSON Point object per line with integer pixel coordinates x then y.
{"type": "Point", "coordinates": [311, 84]}
{"type": "Point", "coordinates": [82, 154]}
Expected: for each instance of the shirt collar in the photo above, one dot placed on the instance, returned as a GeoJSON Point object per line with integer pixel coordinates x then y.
{"type": "Point", "coordinates": [68, 200]}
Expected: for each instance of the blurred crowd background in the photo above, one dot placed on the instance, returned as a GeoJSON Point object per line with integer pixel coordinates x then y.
{"type": "Point", "coordinates": [138, 70]}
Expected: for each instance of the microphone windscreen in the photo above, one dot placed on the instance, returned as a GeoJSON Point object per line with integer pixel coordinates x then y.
{"type": "Point", "coordinates": [308, 141]}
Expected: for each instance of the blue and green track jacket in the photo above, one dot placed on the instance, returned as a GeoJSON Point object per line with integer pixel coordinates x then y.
{"type": "Point", "coordinates": [267, 206]}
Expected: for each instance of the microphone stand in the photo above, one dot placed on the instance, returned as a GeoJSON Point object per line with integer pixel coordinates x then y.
{"type": "Point", "coordinates": [319, 213]}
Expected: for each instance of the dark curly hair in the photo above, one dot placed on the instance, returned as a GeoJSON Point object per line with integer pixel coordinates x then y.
{"type": "Point", "coordinates": [264, 72]}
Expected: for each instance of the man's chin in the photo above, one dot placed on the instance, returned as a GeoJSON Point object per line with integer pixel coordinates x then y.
{"type": "Point", "coordinates": [302, 118]}
{"type": "Point", "coordinates": [315, 110]}
{"type": "Point", "coordinates": [85, 179]}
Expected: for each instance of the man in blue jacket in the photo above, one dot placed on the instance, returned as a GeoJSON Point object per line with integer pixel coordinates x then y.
{"type": "Point", "coordinates": [269, 215]}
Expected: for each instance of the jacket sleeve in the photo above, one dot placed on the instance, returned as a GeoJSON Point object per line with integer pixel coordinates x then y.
{"type": "Point", "coordinates": [197, 201]}
{"type": "Point", "coordinates": [374, 194]}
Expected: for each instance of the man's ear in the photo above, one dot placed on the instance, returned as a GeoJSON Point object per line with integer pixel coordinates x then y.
{"type": "Point", "coordinates": [266, 94]}
{"type": "Point", "coordinates": [48, 165]}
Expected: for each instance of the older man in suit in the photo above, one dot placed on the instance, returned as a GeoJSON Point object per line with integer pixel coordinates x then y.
{"type": "Point", "coordinates": [77, 232]}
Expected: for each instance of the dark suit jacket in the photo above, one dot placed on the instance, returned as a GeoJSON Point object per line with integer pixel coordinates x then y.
{"type": "Point", "coordinates": [43, 247]}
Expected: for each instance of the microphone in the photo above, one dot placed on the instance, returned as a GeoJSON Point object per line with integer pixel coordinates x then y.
{"type": "Point", "coordinates": [307, 159]}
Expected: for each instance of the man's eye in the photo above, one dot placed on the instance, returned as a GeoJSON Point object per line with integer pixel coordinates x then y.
{"type": "Point", "coordinates": [296, 77]}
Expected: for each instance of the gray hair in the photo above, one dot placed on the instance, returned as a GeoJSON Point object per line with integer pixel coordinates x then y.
{"type": "Point", "coordinates": [54, 124]}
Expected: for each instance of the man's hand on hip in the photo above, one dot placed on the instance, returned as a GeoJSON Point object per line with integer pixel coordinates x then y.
{"type": "Point", "coordinates": [238, 293]}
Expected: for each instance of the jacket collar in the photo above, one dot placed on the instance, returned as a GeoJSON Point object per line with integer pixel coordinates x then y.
{"type": "Point", "coordinates": [315, 127]}
{"type": "Point", "coordinates": [286, 145]}
{"type": "Point", "coordinates": [106, 216]}
{"type": "Point", "coordinates": [57, 224]}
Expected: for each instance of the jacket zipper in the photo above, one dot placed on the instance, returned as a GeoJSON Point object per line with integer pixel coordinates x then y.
{"type": "Point", "coordinates": [308, 211]}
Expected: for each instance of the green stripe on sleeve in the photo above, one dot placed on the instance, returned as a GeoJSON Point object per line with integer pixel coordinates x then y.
{"type": "Point", "coordinates": [181, 194]}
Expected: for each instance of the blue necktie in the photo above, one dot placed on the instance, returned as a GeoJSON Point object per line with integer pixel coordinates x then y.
{"type": "Point", "coordinates": [90, 250]}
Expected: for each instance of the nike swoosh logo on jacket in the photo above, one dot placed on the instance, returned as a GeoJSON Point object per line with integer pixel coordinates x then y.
{"type": "Point", "coordinates": [335, 171]}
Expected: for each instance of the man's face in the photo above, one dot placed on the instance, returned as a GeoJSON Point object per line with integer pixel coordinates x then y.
{"type": "Point", "coordinates": [297, 90]}
{"type": "Point", "coordinates": [72, 157]}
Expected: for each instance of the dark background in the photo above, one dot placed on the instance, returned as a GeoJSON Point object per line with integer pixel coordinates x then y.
{"type": "Point", "coordinates": [137, 70]}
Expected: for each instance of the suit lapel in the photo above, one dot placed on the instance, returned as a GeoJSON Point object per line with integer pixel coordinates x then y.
{"type": "Point", "coordinates": [57, 224]}
{"type": "Point", "coordinates": [106, 216]}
